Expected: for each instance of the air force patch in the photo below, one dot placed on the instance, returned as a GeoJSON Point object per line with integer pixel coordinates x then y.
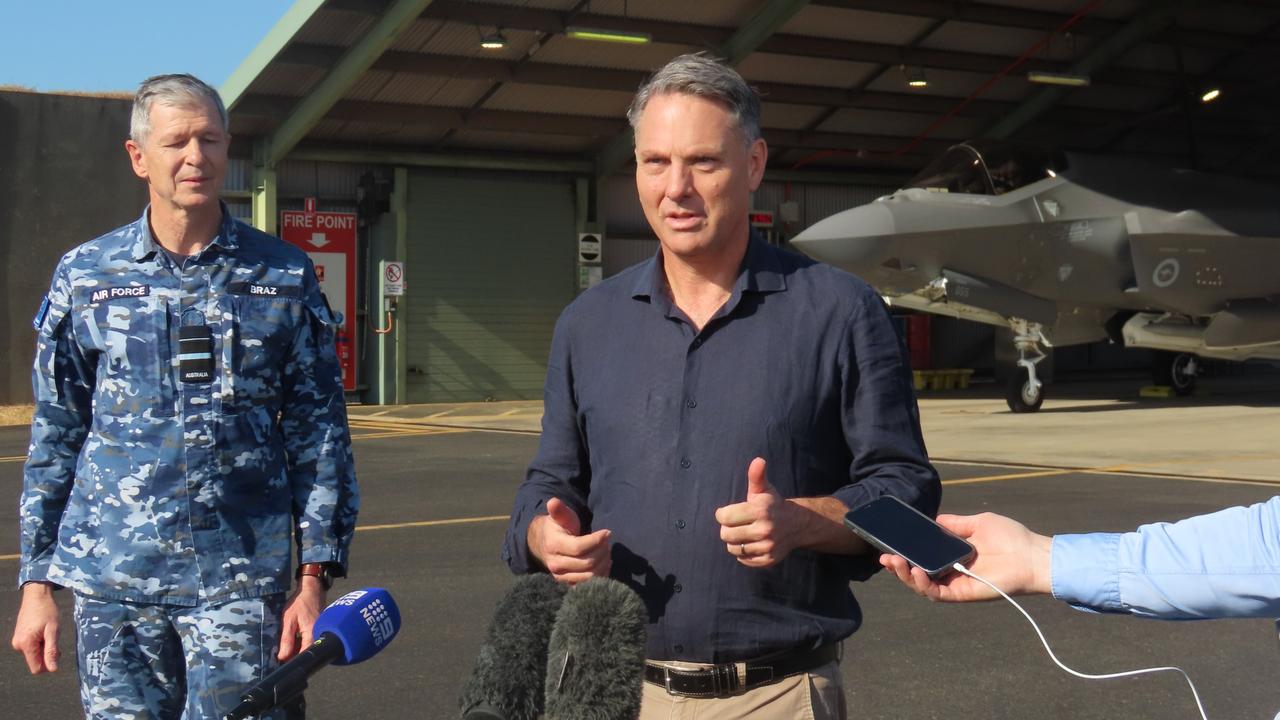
{"type": "Point", "coordinates": [112, 293]}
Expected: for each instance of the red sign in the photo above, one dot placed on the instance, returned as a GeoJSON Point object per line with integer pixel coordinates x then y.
{"type": "Point", "coordinates": [329, 238]}
{"type": "Point", "coordinates": [761, 218]}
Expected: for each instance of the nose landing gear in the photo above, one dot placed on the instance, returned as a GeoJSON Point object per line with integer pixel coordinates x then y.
{"type": "Point", "coordinates": [1025, 393]}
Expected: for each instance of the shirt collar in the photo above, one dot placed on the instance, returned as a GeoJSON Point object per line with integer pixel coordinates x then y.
{"type": "Point", "coordinates": [761, 272]}
{"type": "Point", "coordinates": [144, 245]}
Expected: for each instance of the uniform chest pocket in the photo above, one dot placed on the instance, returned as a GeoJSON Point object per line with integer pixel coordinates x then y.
{"type": "Point", "coordinates": [259, 338]}
{"type": "Point", "coordinates": [132, 341]}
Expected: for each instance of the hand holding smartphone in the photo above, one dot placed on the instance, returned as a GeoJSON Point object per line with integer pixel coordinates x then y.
{"type": "Point", "coordinates": [895, 527]}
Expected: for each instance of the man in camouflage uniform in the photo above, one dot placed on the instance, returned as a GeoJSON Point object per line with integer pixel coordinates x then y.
{"type": "Point", "coordinates": [189, 423]}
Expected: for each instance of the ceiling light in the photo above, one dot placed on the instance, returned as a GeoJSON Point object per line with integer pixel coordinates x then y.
{"type": "Point", "coordinates": [493, 41]}
{"type": "Point", "coordinates": [915, 76]}
{"type": "Point", "coordinates": [1053, 78]}
{"type": "Point", "coordinates": [1211, 95]}
{"type": "Point", "coordinates": [619, 36]}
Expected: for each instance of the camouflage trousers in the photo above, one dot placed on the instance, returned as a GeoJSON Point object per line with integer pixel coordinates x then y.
{"type": "Point", "coordinates": [160, 662]}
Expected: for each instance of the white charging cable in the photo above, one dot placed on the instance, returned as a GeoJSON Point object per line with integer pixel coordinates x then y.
{"type": "Point", "coordinates": [961, 568]}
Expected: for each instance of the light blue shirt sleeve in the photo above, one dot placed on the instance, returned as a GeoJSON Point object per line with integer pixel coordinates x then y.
{"type": "Point", "coordinates": [1224, 564]}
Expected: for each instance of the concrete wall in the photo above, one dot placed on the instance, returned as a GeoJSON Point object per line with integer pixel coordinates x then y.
{"type": "Point", "coordinates": [64, 179]}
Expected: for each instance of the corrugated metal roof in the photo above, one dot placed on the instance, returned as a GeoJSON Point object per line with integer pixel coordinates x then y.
{"type": "Point", "coordinates": [846, 24]}
{"type": "Point", "coordinates": [519, 141]}
{"type": "Point", "coordinates": [868, 122]}
{"type": "Point", "coordinates": [543, 98]}
{"type": "Point", "coordinates": [335, 27]}
{"type": "Point", "coordinates": [1011, 42]}
{"type": "Point", "coordinates": [432, 91]}
{"type": "Point", "coordinates": [435, 72]}
{"type": "Point", "coordinates": [695, 13]}
{"type": "Point", "coordinates": [788, 117]}
{"type": "Point", "coordinates": [768, 67]}
{"type": "Point", "coordinates": [284, 80]}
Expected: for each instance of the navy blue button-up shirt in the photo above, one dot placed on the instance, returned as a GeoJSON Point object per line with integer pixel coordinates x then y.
{"type": "Point", "coordinates": [649, 427]}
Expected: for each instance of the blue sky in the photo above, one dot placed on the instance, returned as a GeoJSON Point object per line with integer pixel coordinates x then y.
{"type": "Point", "coordinates": [112, 45]}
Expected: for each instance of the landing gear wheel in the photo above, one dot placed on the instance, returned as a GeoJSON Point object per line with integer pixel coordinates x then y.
{"type": "Point", "coordinates": [1176, 370]}
{"type": "Point", "coordinates": [1022, 395]}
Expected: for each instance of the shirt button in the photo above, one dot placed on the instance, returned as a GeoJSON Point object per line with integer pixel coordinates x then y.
{"type": "Point", "coordinates": [678, 588]}
{"type": "Point", "coordinates": [678, 648]}
{"type": "Point", "coordinates": [692, 403]}
{"type": "Point", "coordinates": [680, 524]}
{"type": "Point", "coordinates": [684, 463]}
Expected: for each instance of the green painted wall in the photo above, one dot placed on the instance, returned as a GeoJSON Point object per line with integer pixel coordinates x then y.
{"type": "Point", "coordinates": [491, 263]}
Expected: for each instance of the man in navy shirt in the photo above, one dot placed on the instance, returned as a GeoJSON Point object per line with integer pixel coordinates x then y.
{"type": "Point", "coordinates": [711, 415]}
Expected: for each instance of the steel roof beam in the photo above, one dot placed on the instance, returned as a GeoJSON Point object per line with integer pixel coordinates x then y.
{"type": "Point", "coordinates": [394, 20]}
{"type": "Point", "coordinates": [1159, 16]}
{"type": "Point", "coordinates": [393, 114]}
{"type": "Point", "coordinates": [713, 38]}
{"type": "Point", "coordinates": [489, 69]}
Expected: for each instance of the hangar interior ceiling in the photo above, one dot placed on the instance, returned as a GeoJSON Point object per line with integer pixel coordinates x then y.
{"type": "Point", "coordinates": [385, 78]}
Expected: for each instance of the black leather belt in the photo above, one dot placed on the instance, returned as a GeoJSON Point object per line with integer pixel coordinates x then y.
{"type": "Point", "coordinates": [722, 680]}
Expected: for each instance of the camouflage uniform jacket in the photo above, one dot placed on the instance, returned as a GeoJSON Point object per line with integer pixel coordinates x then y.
{"type": "Point", "coordinates": [145, 488]}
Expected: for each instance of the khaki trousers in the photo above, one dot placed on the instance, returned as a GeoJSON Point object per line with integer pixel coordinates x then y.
{"type": "Point", "coordinates": [808, 696]}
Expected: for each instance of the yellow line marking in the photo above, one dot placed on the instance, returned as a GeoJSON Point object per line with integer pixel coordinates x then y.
{"type": "Point", "coordinates": [14, 458]}
{"type": "Point", "coordinates": [1121, 470]}
{"type": "Point", "coordinates": [404, 433]}
{"type": "Point", "coordinates": [434, 523]}
{"type": "Point", "coordinates": [1012, 476]}
{"type": "Point", "coordinates": [388, 427]}
{"type": "Point", "coordinates": [8, 557]}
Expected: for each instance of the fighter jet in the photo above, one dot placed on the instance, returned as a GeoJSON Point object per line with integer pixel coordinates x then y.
{"type": "Point", "coordinates": [1067, 248]}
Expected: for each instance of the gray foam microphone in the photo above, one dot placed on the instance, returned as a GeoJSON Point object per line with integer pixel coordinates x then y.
{"type": "Point", "coordinates": [595, 661]}
{"type": "Point", "coordinates": [507, 680]}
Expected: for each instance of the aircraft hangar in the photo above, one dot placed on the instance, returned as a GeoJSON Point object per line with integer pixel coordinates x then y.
{"type": "Point", "coordinates": [484, 148]}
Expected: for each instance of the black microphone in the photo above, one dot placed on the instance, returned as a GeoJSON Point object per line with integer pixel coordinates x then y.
{"type": "Point", "coordinates": [352, 629]}
{"type": "Point", "coordinates": [595, 661]}
{"type": "Point", "coordinates": [506, 682]}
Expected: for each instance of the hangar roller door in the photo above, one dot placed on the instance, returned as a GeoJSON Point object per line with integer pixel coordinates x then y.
{"type": "Point", "coordinates": [491, 263]}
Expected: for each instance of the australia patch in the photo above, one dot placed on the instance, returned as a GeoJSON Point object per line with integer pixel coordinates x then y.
{"type": "Point", "coordinates": [115, 293]}
{"type": "Point", "coordinates": [264, 290]}
{"type": "Point", "coordinates": [41, 313]}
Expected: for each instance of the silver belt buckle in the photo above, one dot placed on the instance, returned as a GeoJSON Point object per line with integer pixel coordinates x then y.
{"type": "Point", "coordinates": [666, 679]}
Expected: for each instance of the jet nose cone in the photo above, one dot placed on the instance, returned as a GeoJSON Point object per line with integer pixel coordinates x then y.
{"type": "Point", "coordinates": [856, 240]}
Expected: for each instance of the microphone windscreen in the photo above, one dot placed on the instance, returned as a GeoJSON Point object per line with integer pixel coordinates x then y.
{"type": "Point", "coordinates": [507, 679]}
{"type": "Point", "coordinates": [364, 620]}
{"type": "Point", "coordinates": [595, 662]}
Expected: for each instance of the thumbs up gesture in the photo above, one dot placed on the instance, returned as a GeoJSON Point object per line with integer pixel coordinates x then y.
{"type": "Point", "coordinates": [556, 540]}
{"type": "Point", "coordinates": [760, 531]}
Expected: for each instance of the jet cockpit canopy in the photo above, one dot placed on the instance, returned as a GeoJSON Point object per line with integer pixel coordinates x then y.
{"type": "Point", "coordinates": [988, 167]}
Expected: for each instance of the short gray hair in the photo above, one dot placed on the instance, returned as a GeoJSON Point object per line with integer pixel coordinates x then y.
{"type": "Point", "coordinates": [180, 90]}
{"type": "Point", "coordinates": [706, 77]}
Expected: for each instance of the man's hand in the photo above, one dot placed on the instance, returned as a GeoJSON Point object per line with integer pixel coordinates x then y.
{"type": "Point", "coordinates": [1008, 554]}
{"type": "Point", "coordinates": [35, 634]}
{"type": "Point", "coordinates": [556, 541]}
{"type": "Point", "coordinates": [300, 615]}
{"type": "Point", "coordinates": [761, 531]}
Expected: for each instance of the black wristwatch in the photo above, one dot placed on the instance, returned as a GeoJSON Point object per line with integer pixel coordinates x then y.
{"type": "Point", "coordinates": [321, 571]}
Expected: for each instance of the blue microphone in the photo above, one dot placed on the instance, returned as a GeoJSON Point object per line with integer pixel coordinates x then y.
{"type": "Point", "coordinates": [354, 628]}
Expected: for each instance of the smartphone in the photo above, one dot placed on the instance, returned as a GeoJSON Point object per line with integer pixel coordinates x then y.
{"type": "Point", "coordinates": [896, 527]}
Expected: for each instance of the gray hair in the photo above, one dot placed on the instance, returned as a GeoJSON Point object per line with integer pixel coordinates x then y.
{"type": "Point", "coordinates": [180, 90]}
{"type": "Point", "coordinates": [706, 77]}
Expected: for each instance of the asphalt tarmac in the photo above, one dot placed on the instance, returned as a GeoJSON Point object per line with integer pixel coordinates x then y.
{"type": "Point", "coordinates": [435, 499]}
